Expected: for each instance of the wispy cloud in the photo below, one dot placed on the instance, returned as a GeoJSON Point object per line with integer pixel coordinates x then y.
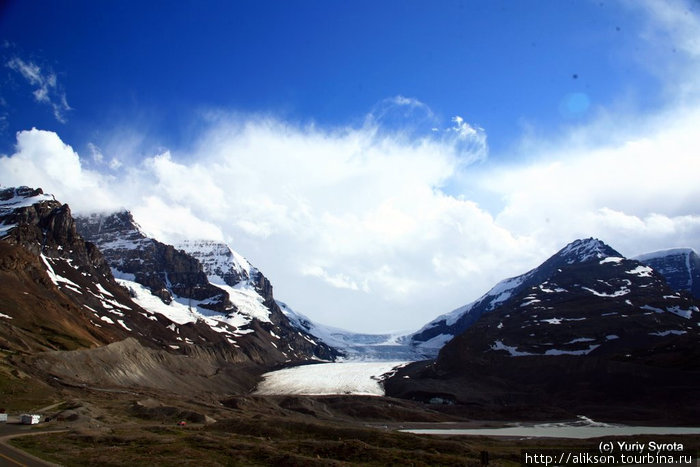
{"type": "Point", "coordinates": [45, 84]}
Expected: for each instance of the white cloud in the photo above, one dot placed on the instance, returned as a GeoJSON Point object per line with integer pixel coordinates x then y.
{"type": "Point", "coordinates": [340, 281]}
{"type": "Point", "coordinates": [171, 220]}
{"type": "Point", "coordinates": [46, 86]}
{"type": "Point", "coordinates": [353, 225]}
{"type": "Point", "coordinates": [41, 159]}
{"type": "Point", "coordinates": [639, 194]}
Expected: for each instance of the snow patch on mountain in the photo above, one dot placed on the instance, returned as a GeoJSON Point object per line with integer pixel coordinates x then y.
{"type": "Point", "coordinates": [581, 251]}
{"type": "Point", "coordinates": [56, 278]}
{"type": "Point", "coordinates": [248, 302]}
{"type": "Point", "coordinates": [21, 197]}
{"type": "Point", "coordinates": [641, 271]}
{"type": "Point", "coordinates": [618, 293]}
{"type": "Point", "coordinates": [611, 259]}
{"type": "Point", "coordinates": [514, 352]}
{"type": "Point", "coordinates": [182, 311]}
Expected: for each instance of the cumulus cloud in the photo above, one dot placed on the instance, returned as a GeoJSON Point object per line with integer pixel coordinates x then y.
{"type": "Point", "coordinates": [41, 159]}
{"type": "Point", "coordinates": [639, 193]}
{"type": "Point", "coordinates": [46, 88]}
{"type": "Point", "coordinates": [355, 226]}
{"type": "Point", "coordinates": [171, 220]}
{"type": "Point", "coordinates": [350, 209]}
{"type": "Point", "coordinates": [352, 225]}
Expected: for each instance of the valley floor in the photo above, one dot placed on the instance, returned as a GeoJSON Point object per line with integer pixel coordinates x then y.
{"type": "Point", "coordinates": [275, 435]}
{"type": "Point", "coordinates": [141, 427]}
{"type": "Point", "coordinates": [114, 426]}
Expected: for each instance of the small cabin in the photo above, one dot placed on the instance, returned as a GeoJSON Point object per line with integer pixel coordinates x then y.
{"type": "Point", "coordinates": [29, 419]}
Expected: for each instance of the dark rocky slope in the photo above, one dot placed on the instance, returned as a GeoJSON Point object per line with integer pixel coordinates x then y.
{"type": "Point", "coordinates": [679, 266]}
{"type": "Point", "coordinates": [600, 335]}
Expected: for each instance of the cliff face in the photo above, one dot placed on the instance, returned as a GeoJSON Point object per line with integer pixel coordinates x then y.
{"type": "Point", "coordinates": [679, 266]}
{"type": "Point", "coordinates": [41, 225]}
{"type": "Point", "coordinates": [163, 269]}
{"type": "Point", "coordinates": [52, 280]}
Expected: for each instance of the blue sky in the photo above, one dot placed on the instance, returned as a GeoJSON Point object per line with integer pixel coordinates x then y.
{"type": "Point", "coordinates": [381, 162]}
{"type": "Point", "coordinates": [500, 64]}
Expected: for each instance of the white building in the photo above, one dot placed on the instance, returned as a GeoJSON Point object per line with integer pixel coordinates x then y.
{"type": "Point", "coordinates": [29, 419]}
{"type": "Point", "coordinates": [3, 417]}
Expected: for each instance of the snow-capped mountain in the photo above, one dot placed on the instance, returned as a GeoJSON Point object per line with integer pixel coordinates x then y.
{"type": "Point", "coordinates": [164, 270]}
{"type": "Point", "coordinates": [248, 289]}
{"type": "Point", "coordinates": [58, 291]}
{"type": "Point", "coordinates": [587, 327]}
{"type": "Point", "coordinates": [601, 304]}
{"type": "Point", "coordinates": [680, 267]}
{"type": "Point", "coordinates": [434, 335]}
{"type": "Point", "coordinates": [199, 281]}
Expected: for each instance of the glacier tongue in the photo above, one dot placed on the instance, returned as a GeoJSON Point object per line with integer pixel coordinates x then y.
{"type": "Point", "coordinates": [357, 346]}
{"type": "Point", "coordinates": [357, 378]}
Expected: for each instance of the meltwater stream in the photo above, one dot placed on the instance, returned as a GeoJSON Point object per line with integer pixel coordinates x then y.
{"type": "Point", "coordinates": [582, 429]}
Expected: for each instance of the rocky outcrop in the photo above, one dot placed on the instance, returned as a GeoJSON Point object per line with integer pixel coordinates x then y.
{"type": "Point", "coordinates": [163, 269]}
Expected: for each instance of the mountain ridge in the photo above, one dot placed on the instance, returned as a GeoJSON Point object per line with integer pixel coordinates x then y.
{"type": "Point", "coordinates": [242, 307]}
{"type": "Point", "coordinates": [680, 267]}
{"type": "Point", "coordinates": [588, 331]}
{"type": "Point", "coordinates": [431, 337]}
{"type": "Point", "coordinates": [58, 295]}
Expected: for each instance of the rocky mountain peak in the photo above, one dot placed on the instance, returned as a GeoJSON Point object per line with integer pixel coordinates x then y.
{"type": "Point", "coordinates": [584, 250]}
{"type": "Point", "coordinates": [200, 281]}
{"type": "Point", "coordinates": [679, 266]}
{"type": "Point", "coordinates": [115, 230]}
{"type": "Point", "coordinates": [586, 256]}
{"type": "Point", "coordinates": [166, 271]}
{"type": "Point", "coordinates": [220, 262]}
{"type": "Point", "coordinates": [40, 224]}
{"type": "Point", "coordinates": [14, 195]}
